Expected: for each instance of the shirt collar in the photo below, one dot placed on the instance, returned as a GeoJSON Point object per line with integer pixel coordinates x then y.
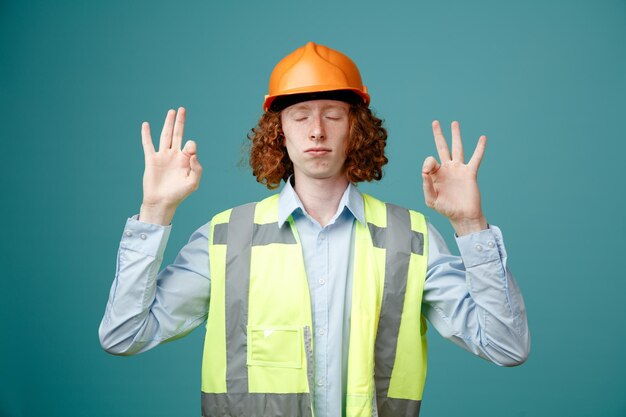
{"type": "Point", "coordinates": [288, 202]}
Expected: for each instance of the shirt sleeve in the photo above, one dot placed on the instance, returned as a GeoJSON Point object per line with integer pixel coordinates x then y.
{"type": "Point", "coordinates": [473, 299]}
{"type": "Point", "coordinates": [147, 307]}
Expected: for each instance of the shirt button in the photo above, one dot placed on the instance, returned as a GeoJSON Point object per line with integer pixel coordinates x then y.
{"type": "Point", "coordinates": [322, 331]}
{"type": "Point", "coordinates": [128, 233]}
{"type": "Point", "coordinates": [322, 281]}
{"type": "Point", "coordinates": [143, 236]}
{"type": "Point", "coordinates": [478, 248]}
{"type": "Point", "coordinates": [491, 244]}
{"type": "Point", "coordinates": [320, 383]}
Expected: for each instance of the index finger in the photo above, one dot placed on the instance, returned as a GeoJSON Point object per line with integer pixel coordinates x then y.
{"type": "Point", "coordinates": [457, 144]}
{"type": "Point", "coordinates": [440, 142]}
{"type": "Point", "coordinates": [166, 133]}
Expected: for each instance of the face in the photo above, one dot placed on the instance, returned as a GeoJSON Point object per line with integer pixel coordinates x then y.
{"type": "Point", "coordinates": [316, 134]}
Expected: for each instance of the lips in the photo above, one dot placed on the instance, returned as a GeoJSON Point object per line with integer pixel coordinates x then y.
{"type": "Point", "coordinates": [318, 151]}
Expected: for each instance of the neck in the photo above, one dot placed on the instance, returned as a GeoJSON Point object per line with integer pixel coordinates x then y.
{"type": "Point", "coordinates": [321, 197]}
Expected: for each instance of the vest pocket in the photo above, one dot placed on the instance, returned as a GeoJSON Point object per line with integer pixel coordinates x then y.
{"type": "Point", "coordinates": [279, 346]}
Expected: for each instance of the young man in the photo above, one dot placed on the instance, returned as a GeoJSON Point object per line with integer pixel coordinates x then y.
{"type": "Point", "coordinates": [315, 298]}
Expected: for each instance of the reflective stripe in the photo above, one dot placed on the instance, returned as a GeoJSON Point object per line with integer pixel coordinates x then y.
{"type": "Point", "coordinates": [379, 238]}
{"type": "Point", "coordinates": [264, 234]}
{"type": "Point", "coordinates": [393, 407]}
{"type": "Point", "coordinates": [398, 252]}
{"type": "Point", "coordinates": [257, 405]}
{"type": "Point", "coordinates": [237, 286]}
{"type": "Point", "coordinates": [378, 235]}
{"type": "Point", "coordinates": [308, 347]}
{"type": "Point", "coordinates": [417, 243]}
{"type": "Point", "coordinates": [220, 233]}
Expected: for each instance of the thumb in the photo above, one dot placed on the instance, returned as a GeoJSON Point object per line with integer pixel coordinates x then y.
{"type": "Point", "coordinates": [430, 195]}
{"type": "Point", "coordinates": [196, 169]}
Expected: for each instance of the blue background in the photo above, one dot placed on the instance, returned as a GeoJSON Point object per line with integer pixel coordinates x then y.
{"type": "Point", "coordinates": [544, 80]}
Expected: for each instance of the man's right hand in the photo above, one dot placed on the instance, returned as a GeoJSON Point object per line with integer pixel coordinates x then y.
{"type": "Point", "coordinates": [171, 174]}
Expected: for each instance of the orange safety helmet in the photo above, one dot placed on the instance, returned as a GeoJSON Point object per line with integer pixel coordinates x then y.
{"type": "Point", "coordinates": [315, 68]}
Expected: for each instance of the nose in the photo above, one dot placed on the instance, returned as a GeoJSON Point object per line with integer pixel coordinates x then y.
{"type": "Point", "coordinates": [317, 132]}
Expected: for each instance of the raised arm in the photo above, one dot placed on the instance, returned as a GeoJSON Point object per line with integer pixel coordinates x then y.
{"type": "Point", "coordinates": [472, 299]}
{"type": "Point", "coordinates": [147, 307]}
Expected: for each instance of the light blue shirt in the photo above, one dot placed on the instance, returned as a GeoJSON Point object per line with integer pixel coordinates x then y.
{"type": "Point", "coordinates": [461, 294]}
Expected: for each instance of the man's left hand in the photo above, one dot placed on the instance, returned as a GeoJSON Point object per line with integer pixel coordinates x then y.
{"type": "Point", "coordinates": [451, 188]}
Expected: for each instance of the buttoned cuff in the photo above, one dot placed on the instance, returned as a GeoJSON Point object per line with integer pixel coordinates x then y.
{"type": "Point", "coordinates": [481, 247]}
{"type": "Point", "coordinates": [147, 238]}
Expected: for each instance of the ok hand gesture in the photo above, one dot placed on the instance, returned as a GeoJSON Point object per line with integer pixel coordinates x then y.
{"type": "Point", "coordinates": [172, 173]}
{"type": "Point", "coordinates": [451, 188]}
